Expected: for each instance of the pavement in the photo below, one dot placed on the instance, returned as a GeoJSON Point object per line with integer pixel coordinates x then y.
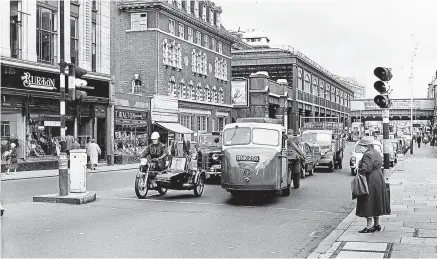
{"type": "Point", "coordinates": [409, 232]}
{"type": "Point", "coordinates": [55, 172]}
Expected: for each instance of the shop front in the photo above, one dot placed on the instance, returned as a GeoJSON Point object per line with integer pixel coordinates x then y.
{"type": "Point", "coordinates": [165, 121]}
{"type": "Point", "coordinates": [31, 116]}
{"type": "Point", "coordinates": [131, 134]}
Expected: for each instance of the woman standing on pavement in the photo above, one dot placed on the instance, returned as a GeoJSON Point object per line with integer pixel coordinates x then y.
{"type": "Point", "coordinates": [375, 203]}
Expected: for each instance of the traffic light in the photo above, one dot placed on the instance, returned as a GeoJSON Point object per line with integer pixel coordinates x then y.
{"type": "Point", "coordinates": [382, 99]}
{"type": "Point", "coordinates": [76, 74]}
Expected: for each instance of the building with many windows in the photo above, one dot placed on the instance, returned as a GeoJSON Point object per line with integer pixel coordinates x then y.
{"type": "Point", "coordinates": [311, 91]}
{"type": "Point", "coordinates": [172, 60]}
{"type": "Point", "coordinates": [358, 89]}
{"type": "Point", "coordinates": [30, 48]}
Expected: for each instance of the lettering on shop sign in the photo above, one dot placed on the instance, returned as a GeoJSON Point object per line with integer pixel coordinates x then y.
{"type": "Point", "coordinates": [38, 82]}
{"type": "Point", "coordinates": [131, 115]}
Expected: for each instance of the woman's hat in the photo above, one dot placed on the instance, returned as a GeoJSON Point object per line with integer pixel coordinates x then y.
{"type": "Point", "coordinates": [365, 142]}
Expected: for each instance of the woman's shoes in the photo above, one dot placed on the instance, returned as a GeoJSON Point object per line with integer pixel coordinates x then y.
{"type": "Point", "coordinates": [370, 230]}
{"type": "Point", "coordinates": [366, 230]}
{"type": "Point", "coordinates": [376, 228]}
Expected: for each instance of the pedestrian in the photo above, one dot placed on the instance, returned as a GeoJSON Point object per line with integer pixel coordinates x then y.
{"type": "Point", "coordinates": [11, 159]}
{"type": "Point", "coordinates": [93, 152]}
{"type": "Point", "coordinates": [419, 140]}
{"type": "Point", "coordinates": [87, 146]}
{"type": "Point", "coordinates": [376, 203]}
{"type": "Point", "coordinates": [75, 144]}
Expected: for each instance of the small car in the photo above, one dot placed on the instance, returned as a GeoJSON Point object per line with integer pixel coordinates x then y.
{"type": "Point", "coordinates": [358, 152]}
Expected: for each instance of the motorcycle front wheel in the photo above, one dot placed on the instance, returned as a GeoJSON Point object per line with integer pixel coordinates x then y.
{"type": "Point", "coordinates": [141, 187]}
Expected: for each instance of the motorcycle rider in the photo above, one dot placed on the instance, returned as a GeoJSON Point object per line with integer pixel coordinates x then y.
{"type": "Point", "coordinates": [157, 151]}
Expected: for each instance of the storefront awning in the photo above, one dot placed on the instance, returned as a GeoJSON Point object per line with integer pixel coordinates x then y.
{"type": "Point", "coordinates": [175, 127]}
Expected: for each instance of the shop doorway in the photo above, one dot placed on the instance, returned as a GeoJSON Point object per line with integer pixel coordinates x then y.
{"type": "Point", "coordinates": [101, 137]}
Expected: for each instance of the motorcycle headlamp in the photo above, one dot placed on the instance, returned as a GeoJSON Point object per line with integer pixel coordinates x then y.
{"type": "Point", "coordinates": [143, 161]}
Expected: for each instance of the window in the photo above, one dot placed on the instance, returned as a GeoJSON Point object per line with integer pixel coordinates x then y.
{"type": "Point", "coordinates": [171, 27]}
{"type": "Point", "coordinates": [94, 4]}
{"type": "Point", "coordinates": [181, 31]}
{"type": "Point", "coordinates": [236, 136]}
{"type": "Point", "coordinates": [93, 47]}
{"type": "Point", "coordinates": [186, 121]}
{"type": "Point", "coordinates": [221, 96]}
{"type": "Point", "coordinates": [74, 40]}
{"type": "Point", "coordinates": [221, 123]}
{"type": "Point", "coordinates": [207, 94]}
{"type": "Point", "coordinates": [265, 137]}
{"type": "Point", "coordinates": [206, 41]}
{"type": "Point", "coordinates": [202, 123]}
{"type": "Point", "coordinates": [213, 46]}
{"type": "Point", "coordinates": [214, 94]}
{"type": "Point", "coordinates": [16, 29]}
{"type": "Point", "coordinates": [196, 9]}
{"type": "Point", "coordinates": [165, 52]}
{"type": "Point", "coordinates": [198, 38]}
{"type": "Point", "coordinates": [182, 89]}
{"type": "Point", "coordinates": [5, 129]}
{"type": "Point", "coordinates": [205, 64]}
{"type": "Point", "coordinates": [199, 63]}
{"type": "Point", "coordinates": [46, 35]}
{"type": "Point", "coordinates": [200, 95]}
{"type": "Point", "coordinates": [220, 48]}
{"type": "Point", "coordinates": [211, 17]}
{"type": "Point", "coordinates": [204, 13]}
{"type": "Point", "coordinates": [137, 88]}
{"type": "Point", "coordinates": [138, 21]}
{"type": "Point", "coordinates": [190, 35]}
{"type": "Point", "coordinates": [172, 87]}
{"type": "Point", "coordinates": [193, 61]}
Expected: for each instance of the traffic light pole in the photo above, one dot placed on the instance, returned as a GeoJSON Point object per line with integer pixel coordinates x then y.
{"type": "Point", "coordinates": [63, 161]}
{"type": "Point", "coordinates": [386, 141]}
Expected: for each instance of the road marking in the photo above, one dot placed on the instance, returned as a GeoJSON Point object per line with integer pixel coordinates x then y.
{"type": "Point", "coordinates": [218, 204]}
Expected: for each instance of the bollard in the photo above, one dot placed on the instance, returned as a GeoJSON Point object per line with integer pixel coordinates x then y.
{"type": "Point", "coordinates": [63, 174]}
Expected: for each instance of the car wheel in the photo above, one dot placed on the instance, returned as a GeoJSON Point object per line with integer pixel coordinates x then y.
{"type": "Point", "coordinates": [331, 167]}
{"type": "Point", "coordinates": [286, 192]}
{"type": "Point", "coordinates": [312, 171]}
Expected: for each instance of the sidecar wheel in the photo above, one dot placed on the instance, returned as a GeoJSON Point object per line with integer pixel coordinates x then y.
{"type": "Point", "coordinates": [141, 187]}
{"type": "Point", "coordinates": [162, 190]}
{"type": "Point", "coordinates": [198, 190]}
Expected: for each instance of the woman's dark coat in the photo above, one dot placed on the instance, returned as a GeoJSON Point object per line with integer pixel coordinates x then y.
{"type": "Point", "coordinates": [377, 202]}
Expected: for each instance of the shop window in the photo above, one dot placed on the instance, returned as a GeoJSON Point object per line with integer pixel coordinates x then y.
{"type": "Point", "coordinates": [139, 21]}
{"type": "Point", "coordinates": [46, 35]}
{"type": "Point", "coordinates": [74, 40]}
{"type": "Point", "coordinates": [130, 140]}
{"type": "Point", "coordinates": [16, 32]}
{"type": "Point", "coordinates": [5, 129]}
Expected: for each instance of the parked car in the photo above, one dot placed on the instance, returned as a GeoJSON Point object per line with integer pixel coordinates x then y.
{"type": "Point", "coordinates": [209, 154]}
{"type": "Point", "coordinates": [358, 153]}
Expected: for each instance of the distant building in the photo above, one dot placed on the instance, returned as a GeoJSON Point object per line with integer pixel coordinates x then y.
{"type": "Point", "coordinates": [358, 89]}
{"type": "Point", "coordinates": [256, 39]}
{"type": "Point", "coordinates": [239, 44]}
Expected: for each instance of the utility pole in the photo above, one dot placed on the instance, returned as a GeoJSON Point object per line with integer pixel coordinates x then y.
{"type": "Point", "coordinates": [412, 92]}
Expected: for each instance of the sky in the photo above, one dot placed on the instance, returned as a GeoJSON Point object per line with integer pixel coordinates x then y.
{"type": "Point", "coordinates": [350, 37]}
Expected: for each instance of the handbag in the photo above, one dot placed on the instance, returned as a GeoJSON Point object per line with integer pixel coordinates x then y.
{"type": "Point", "coordinates": [359, 186]}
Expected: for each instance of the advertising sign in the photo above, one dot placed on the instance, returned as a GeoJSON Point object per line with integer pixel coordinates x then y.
{"type": "Point", "coordinates": [239, 93]}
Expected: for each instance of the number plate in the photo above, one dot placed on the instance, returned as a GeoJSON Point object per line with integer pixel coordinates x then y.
{"type": "Point", "coordinates": [248, 158]}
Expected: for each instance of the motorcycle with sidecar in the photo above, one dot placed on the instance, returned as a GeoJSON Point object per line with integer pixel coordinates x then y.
{"type": "Point", "coordinates": [181, 174]}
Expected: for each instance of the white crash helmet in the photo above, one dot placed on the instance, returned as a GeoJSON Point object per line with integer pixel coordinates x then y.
{"type": "Point", "coordinates": [155, 135]}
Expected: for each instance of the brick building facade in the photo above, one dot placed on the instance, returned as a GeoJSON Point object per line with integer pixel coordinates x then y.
{"type": "Point", "coordinates": [176, 53]}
